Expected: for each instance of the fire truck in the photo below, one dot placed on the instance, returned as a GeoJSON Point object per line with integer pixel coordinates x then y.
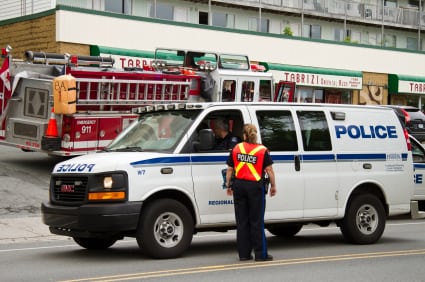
{"type": "Point", "coordinates": [68, 105]}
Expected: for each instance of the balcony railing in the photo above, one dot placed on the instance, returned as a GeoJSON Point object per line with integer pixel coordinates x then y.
{"type": "Point", "coordinates": [406, 17]}
{"type": "Point", "coordinates": [354, 11]}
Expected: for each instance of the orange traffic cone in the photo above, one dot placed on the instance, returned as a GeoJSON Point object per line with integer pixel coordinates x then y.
{"type": "Point", "coordinates": [52, 128]}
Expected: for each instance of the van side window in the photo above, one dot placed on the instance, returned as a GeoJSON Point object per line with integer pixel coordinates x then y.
{"type": "Point", "coordinates": [277, 130]}
{"type": "Point", "coordinates": [314, 130]}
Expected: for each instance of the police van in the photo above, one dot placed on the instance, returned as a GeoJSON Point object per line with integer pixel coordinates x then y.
{"type": "Point", "coordinates": [160, 180]}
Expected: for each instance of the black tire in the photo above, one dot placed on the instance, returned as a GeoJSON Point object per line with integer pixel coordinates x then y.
{"type": "Point", "coordinates": [94, 243]}
{"type": "Point", "coordinates": [285, 229]}
{"type": "Point", "coordinates": [165, 229]}
{"type": "Point", "coordinates": [364, 220]}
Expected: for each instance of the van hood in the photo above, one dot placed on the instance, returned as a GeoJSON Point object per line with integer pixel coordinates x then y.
{"type": "Point", "coordinates": [101, 162]}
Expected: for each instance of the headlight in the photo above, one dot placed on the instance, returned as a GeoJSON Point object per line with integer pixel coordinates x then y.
{"type": "Point", "coordinates": [107, 187]}
{"type": "Point", "coordinates": [107, 182]}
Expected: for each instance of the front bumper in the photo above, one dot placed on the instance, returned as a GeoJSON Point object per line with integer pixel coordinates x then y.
{"type": "Point", "coordinates": [91, 219]}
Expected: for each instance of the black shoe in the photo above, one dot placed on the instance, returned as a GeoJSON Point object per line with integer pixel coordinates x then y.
{"type": "Point", "coordinates": [246, 258]}
{"type": "Point", "coordinates": [267, 258]}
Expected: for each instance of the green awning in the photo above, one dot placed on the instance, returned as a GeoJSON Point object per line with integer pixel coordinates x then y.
{"type": "Point", "coordinates": [96, 50]}
{"type": "Point", "coordinates": [398, 84]}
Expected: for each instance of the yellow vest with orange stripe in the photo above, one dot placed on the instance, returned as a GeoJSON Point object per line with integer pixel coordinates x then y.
{"type": "Point", "coordinates": [248, 160]}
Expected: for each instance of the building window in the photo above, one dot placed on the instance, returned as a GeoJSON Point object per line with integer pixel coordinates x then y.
{"type": "Point", "coordinates": [203, 18]}
{"type": "Point", "coordinates": [390, 41]}
{"type": "Point", "coordinates": [254, 24]}
{"type": "Point", "coordinates": [121, 7]}
{"type": "Point", "coordinates": [412, 43]}
{"type": "Point", "coordinates": [223, 20]}
{"type": "Point", "coordinates": [312, 31]}
{"type": "Point", "coordinates": [162, 11]}
{"type": "Point", "coordinates": [339, 34]}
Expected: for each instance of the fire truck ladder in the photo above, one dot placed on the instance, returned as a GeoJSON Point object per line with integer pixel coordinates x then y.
{"type": "Point", "coordinates": [130, 92]}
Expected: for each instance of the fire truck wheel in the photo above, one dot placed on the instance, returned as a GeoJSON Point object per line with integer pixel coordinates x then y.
{"type": "Point", "coordinates": [165, 229]}
{"type": "Point", "coordinates": [364, 220]}
{"type": "Point", "coordinates": [285, 229]}
{"type": "Point", "coordinates": [94, 243]}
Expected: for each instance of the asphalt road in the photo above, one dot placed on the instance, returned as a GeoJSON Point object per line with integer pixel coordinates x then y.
{"type": "Point", "coordinates": [315, 254]}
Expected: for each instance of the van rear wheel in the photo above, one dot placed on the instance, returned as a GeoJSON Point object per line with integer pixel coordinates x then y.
{"type": "Point", "coordinates": [165, 229]}
{"type": "Point", "coordinates": [364, 221]}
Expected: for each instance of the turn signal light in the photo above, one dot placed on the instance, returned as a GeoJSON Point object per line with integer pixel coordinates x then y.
{"type": "Point", "coordinates": [99, 196]}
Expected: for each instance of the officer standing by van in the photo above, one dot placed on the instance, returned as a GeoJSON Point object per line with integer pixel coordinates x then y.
{"type": "Point", "coordinates": [249, 162]}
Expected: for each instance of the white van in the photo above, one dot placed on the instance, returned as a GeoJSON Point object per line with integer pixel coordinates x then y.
{"type": "Point", "coordinates": [160, 181]}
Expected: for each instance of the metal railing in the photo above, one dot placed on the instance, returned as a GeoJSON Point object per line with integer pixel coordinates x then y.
{"type": "Point", "coordinates": [405, 17]}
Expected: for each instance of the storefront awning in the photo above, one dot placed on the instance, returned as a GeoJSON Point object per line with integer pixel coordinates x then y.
{"type": "Point", "coordinates": [406, 84]}
{"type": "Point", "coordinates": [316, 77]}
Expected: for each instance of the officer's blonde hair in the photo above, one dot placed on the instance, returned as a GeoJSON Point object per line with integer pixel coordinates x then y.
{"type": "Point", "coordinates": [250, 133]}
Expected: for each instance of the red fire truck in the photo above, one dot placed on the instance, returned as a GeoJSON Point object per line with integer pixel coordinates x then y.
{"type": "Point", "coordinates": [69, 105]}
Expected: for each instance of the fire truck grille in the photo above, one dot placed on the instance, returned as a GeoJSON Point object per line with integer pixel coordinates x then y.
{"type": "Point", "coordinates": [25, 130]}
{"type": "Point", "coordinates": [72, 190]}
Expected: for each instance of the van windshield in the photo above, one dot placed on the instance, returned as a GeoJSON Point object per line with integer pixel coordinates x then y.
{"type": "Point", "coordinates": [157, 131]}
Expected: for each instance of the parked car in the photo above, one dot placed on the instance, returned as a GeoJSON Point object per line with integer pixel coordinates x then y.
{"type": "Point", "coordinates": [413, 119]}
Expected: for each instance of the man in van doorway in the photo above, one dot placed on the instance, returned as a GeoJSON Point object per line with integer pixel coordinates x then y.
{"type": "Point", "coordinates": [224, 139]}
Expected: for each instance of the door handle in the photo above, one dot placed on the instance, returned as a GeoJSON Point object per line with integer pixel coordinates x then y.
{"type": "Point", "coordinates": [297, 163]}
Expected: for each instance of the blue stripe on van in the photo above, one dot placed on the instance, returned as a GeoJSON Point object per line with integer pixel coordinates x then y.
{"type": "Point", "coordinates": [420, 166]}
{"type": "Point", "coordinates": [355, 157]}
{"type": "Point", "coordinates": [214, 159]}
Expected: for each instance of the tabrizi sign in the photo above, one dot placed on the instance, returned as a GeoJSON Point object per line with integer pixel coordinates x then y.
{"type": "Point", "coordinates": [320, 80]}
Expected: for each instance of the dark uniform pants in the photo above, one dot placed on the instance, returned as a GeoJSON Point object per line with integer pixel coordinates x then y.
{"type": "Point", "coordinates": [249, 201]}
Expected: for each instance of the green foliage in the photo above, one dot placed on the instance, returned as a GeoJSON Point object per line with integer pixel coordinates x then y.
{"type": "Point", "coordinates": [287, 31]}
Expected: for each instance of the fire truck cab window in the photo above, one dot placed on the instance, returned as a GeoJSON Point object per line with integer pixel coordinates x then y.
{"type": "Point", "coordinates": [247, 94]}
{"type": "Point", "coordinates": [228, 91]}
{"type": "Point", "coordinates": [265, 90]}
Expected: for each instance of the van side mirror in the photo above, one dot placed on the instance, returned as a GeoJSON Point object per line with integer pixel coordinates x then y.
{"type": "Point", "coordinates": [206, 139]}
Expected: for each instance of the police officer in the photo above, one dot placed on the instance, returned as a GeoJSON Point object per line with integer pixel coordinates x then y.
{"type": "Point", "coordinates": [249, 162]}
{"type": "Point", "coordinates": [224, 139]}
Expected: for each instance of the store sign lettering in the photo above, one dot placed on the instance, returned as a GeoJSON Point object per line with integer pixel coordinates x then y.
{"type": "Point", "coordinates": [122, 62]}
{"type": "Point", "coordinates": [323, 80]}
{"type": "Point", "coordinates": [413, 87]}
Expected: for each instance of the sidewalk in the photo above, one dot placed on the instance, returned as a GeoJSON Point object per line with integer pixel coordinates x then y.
{"type": "Point", "coordinates": [25, 229]}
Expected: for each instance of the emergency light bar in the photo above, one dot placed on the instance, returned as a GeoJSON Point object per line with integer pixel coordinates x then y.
{"type": "Point", "coordinates": [164, 107]}
{"type": "Point", "coordinates": [46, 58]}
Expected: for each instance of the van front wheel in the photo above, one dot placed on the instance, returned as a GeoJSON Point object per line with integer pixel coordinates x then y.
{"type": "Point", "coordinates": [364, 221]}
{"type": "Point", "coordinates": [165, 229]}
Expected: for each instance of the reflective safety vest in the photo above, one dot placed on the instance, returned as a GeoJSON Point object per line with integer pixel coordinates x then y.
{"type": "Point", "coordinates": [248, 159]}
